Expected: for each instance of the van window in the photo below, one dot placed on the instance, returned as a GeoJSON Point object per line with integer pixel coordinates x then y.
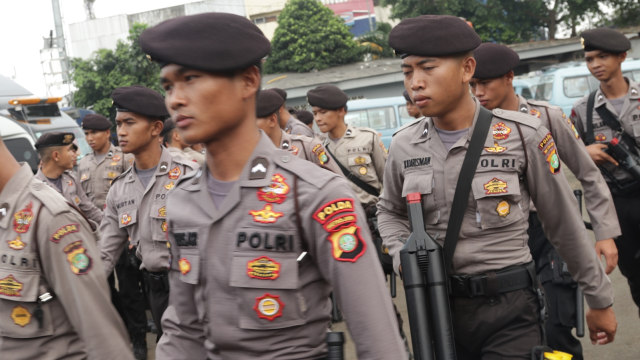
{"type": "Point", "coordinates": [41, 110]}
{"type": "Point", "coordinates": [405, 118]}
{"type": "Point", "coordinates": [376, 118]}
{"type": "Point", "coordinates": [23, 151]}
{"type": "Point", "coordinates": [577, 86]}
{"type": "Point", "coordinates": [544, 89]}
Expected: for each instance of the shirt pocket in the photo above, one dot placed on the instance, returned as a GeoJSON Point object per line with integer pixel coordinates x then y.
{"type": "Point", "coordinates": [185, 247]}
{"type": "Point", "coordinates": [18, 296]}
{"type": "Point", "coordinates": [423, 182]}
{"type": "Point", "coordinates": [127, 216]}
{"type": "Point", "coordinates": [361, 166]}
{"type": "Point", "coordinates": [497, 196]}
{"type": "Point", "coordinates": [266, 285]}
{"type": "Point", "coordinates": [85, 181]}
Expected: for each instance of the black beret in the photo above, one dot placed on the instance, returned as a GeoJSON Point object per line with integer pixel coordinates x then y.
{"type": "Point", "coordinates": [140, 100]}
{"type": "Point", "coordinates": [281, 92]}
{"type": "Point", "coordinates": [54, 139]}
{"type": "Point", "coordinates": [328, 97]}
{"type": "Point", "coordinates": [96, 122]}
{"type": "Point", "coordinates": [494, 60]}
{"type": "Point", "coordinates": [406, 96]}
{"type": "Point", "coordinates": [214, 42]}
{"type": "Point", "coordinates": [304, 116]}
{"type": "Point", "coordinates": [268, 102]}
{"type": "Point", "coordinates": [607, 40]}
{"type": "Point", "coordinates": [433, 35]}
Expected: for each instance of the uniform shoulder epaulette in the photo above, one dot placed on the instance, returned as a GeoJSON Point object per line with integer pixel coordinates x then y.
{"type": "Point", "coordinates": [366, 129]}
{"type": "Point", "coordinates": [406, 126]}
{"type": "Point", "coordinates": [122, 175]}
{"type": "Point", "coordinates": [538, 103]}
{"type": "Point", "coordinates": [197, 173]}
{"type": "Point", "coordinates": [49, 197]}
{"type": "Point", "coordinates": [517, 116]}
{"type": "Point", "coordinates": [186, 162]}
{"type": "Point", "coordinates": [305, 170]}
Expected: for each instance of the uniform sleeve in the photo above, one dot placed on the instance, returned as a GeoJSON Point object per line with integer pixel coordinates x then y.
{"type": "Point", "coordinates": [315, 157]}
{"type": "Point", "coordinates": [113, 239]}
{"type": "Point", "coordinates": [577, 121]}
{"type": "Point", "coordinates": [341, 246]}
{"type": "Point", "coordinates": [88, 208]}
{"type": "Point", "coordinates": [379, 155]}
{"type": "Point", "coordinates": [597, 196]}
{"type": "Point", "coordinates": [301, 129]}
{"type": "Point", "coordinates": [75, 273]}
{"type": "Point", "coordinates": [561, 220]}
{"type": "Point", "coordinates": [393, 222]}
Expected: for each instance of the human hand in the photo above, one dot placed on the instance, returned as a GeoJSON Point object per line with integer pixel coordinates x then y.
{"type": "Point", "coordinates": [602, 325]}
{"type": "Point", "coordinates": [608, 249]}
{"type": "Point", "coordinates": [599, 156]}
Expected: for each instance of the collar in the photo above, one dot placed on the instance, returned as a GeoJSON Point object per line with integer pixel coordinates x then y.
{"type": "Point", "coordinates": [523, 105]}
{"type": "Point", "coordinates": [426, 129]}
{"type": "Point", "coordinates": [11, 191]}
{"type": "Point", "coordinates": [161, 169]}
{"type": "Point", "coordinates": [285, 141]}
{"type": "Point", "coordinates": [633, 93]}
{"type": "Point", "coordinates": [349, 133]}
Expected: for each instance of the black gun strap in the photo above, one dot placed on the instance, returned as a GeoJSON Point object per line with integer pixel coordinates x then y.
{"type": "Point", "coordinates": [589, 137]}
{"type": "Point", "coordinates": [461, 196]}
{"type": "Point", "coordinates": [609, 119]}
{"type": "Point", "coordinates": [354, 179]}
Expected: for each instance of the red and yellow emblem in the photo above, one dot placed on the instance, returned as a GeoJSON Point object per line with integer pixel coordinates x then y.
{"type": "Point", "coordinates": [276, 192]}
{"type": "Point", "coordinates": [162, 212]}
{"type": "Point", "coordinates": [169, 186]}
{"type": "Point", "coordinates": [347, 243]}
{"type": "Point", "coordinates": [600, 137]}
{"type": "Point", "coordinates": [116, 158]}
{"type": "Point", "coordinates": [320, 153]}
{"type": "Point", "coordinates": [266, 215]}
{"type": "Point", "coordinates": [294, 149]}
{"type": "Point", "coordinates": [64, 231]}
{"type": "Point", "coordinates": [10, 286]}
{"type": "Point", "coordinates": [22, 219]}
{"type": "Point", "coordinates": [263, 268]}
{"type": "Point", "coordinates": [16, 244]}
{"type": "Point", "coordinates": [501, 131]}
{"type": "Point", "coordinates": [164, 226]}
{"type": "Point", "coordinates": [495, 149]}
{"type": "Point", "coordinates": [337, 222]}
{"type": "Point", "coordinates": [337, 206]}
{"type": "Point", "coordinates": [21, 316]}
{"type": "Point", "coordinates": [125, 219]}
{"type": "Point", "coordinates": [495, 186]}
{"type": "Point", "coordinates": [112, 174]}
{"type": "Point", "coordinates": [84, 177]}
{"type": "Point", "coordinates": [77, 257]}
{"type": "Point", "coordinates": [174, 174]}
{"type": "Point", "coordinates": [184, 265]}
{"type": "Point", "coordinates": [503, 208]}
{"type": "Point", "coordinates": [268, 306]}
{"type": "Point", "coordinates": [535, 113]}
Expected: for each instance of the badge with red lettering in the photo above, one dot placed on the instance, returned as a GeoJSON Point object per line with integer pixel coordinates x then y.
{"type": "Point", "coordinates": [16, 244]}
{"type": "Point", "coordinates": [503, 208]}
{"type": "Point", "coordinates": [21, 316]}
{"type": "Point", "coordinates": [266, 215]}
{"type": "Point", "coordinates": [64, 231]}
{"type": "Point", "coordinates": [495, 149]}
{"type": "Point", "coordinates": [10, 286]}
{"type": "Point", "coordinates": [125, 219]}
{"type": "Point", "coordinates": [276, 192]}
{"type": "Point", "coordinates": [535, 113]}
{"type": "Point", "coordinates": [347, 243]}
{"type": "Point", "coordinates": [339, 221]}
{"type": "Point", "coordinates": [294, 149]}
{"type": "Point", "coordinates": [268, 306]}
{"type": "Point", "coordinates": [501, 131]}
{"type": "Point", "coordinates": [600, 137]}
{"type": "Point", "coordinates": [320, 153]}
{"type": "Point", "coordinates": [495, 186]}
{"type": "Point", "coordinates": [263, 268]}
{"type": "Point", "coordinates": [116, 158]}
{"type": "Point", "coordinates": [174, 174]}
{"type": "Point", "coordinates": [77, 257]}
{"type": "Point", "coordinates": [169, 186]}
{"type": "Point", "coordinates": [184, 265]}
{"type": "Point", "coordinates": [332, 208]}
{"type": "Point", "coordinates": [22, 219]}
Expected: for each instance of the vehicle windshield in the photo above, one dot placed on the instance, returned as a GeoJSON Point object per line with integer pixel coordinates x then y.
{"type": "Point", "coordinates": [544, 88]}
{"type": "Point", "coordinates": [23, 151]}
{"type": "Point", "coordinates": [377, 118]}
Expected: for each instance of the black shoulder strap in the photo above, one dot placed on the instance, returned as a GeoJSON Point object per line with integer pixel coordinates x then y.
{"type": "Point", "coordinates": [354, 179]}
{"type": "Point", "coordinates": [461, 197]}
{"type": "Point", "coordinates": [589, 137]}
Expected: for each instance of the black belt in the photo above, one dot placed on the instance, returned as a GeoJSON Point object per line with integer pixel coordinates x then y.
{"type": "Point", "coordinates": [493, 283]}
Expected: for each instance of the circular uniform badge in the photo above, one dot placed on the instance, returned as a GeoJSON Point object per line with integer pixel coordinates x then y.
{"type": "Point", "coordinates": [347, 242]}
{"type": "Point", "coordinates": [268, 307]}
{"type": "Point", "coordinates": [362, 170]}
{"type": "Point", "coordinates": [21, 316]}
{"type": "Point", "coordinates": [503, 208]}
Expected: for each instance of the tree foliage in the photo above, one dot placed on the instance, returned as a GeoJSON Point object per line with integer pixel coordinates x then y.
{"type": "Point", "coordinates": [379, 37]}
{"type": "Point", "coordinates": [625, 13]}
{"type": "Point", "coordinates": [106, 70]}
{"type": "Point", "coordinates": [310, 37]}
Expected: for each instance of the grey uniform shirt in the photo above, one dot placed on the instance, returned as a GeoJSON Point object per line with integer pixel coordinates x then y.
{"type": "Point", "coordinates": [309, 149]}
{"type": "Point", "coordinates": [361, 151]}
{"type": "Point", "coordinates": [48, 247]}
{"type": "Point", "coordinates": [96, 175]}
{"type": "Point", "coordinates": [237, 289]}
{"type": "Point", "coordinates": [572, 152]}
{"type": "Point", "coordinates": [139, 213]}
{"type": "Point", "coordinates": [629, 118]}
{"type": "Point", "coordinates": [494, 229]}
{"type": "Point", "coordinates": [297, 127]}
{"type": "Point", "coordinates": [72, 191]}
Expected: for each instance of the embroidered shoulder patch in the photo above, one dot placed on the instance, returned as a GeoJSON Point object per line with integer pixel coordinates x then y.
{"type": "Point", "coordinates": [332, 208]}
{"type": "Point", "coordinates": [347, 243]}
{"type": "Point", "coordinates": [77, 257]}
{"type": "Point", "coordinates": [64, 231]}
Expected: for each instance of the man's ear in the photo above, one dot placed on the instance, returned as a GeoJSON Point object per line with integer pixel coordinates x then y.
{"type": "Point", "coordinates": [156, 127]}
{"type": "Point", "coordinates": [251, 79]}
{"type": "Point", "coordinates": [468, 68]}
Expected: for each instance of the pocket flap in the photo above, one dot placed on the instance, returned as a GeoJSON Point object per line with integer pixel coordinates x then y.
{"type": "Point", "coordinates": [495, 183]}
{"type": "Point", "coordinates": [189, 266]}
{"type": "Point", "coordinates": [421, 182]}
{"type": "Point", "coordinates": [360, 159]}
{"type": "Point", "coordinates": [266, 271]}
{"type": "Point", "coordinates": [19, 285]}
{"type": "Point", "coordinates": [127, 216]}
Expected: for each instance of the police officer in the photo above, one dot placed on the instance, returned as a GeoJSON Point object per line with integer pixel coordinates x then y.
{"type": "Point", "coordinates": [412, 109]}
{"type": "Point", "coordinates": [97, 170]}
{"type": "Point", "coordinates": [288, 122]}
{"type": "Point", "coordinates": [306, 117]}
{"type": "Point", "coordinates": [56, 160]}
{"type": "Point", "coordinates": [54, 299]}
{"type": "Point", "coordinates": [614, 113]}
{"type": "Point", "coordinates": [270, 235]}
{"type": "Point", "coordinates": [498, 317]}
{"type": "Point", "coordinates": [492, 86]}
{"type": "Point", "coordinates": [304, 147]}
{"type": "Point", "coordinates": [136, 204]}
{"type": "Point", "coordinates": [178, 148]}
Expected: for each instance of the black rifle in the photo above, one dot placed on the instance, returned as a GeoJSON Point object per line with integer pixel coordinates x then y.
{"type": "Point", "coordinates": [627, 160]}
{"type": "Point", "coordinates": [579, 293]}
{"type": "Point", "coordinates": [335, 345]}
{"type": "Point", "coordinates": [425, 284]}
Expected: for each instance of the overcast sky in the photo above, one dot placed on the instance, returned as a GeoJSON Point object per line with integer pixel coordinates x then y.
{"type": "Point", "coordinates": [25, 23]}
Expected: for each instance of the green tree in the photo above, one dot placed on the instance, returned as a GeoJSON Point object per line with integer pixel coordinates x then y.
{"type": "Point", "coordinates": [379, 37]}
{"type": "Point", "coordinates": [106, 70]}
{"type": "Point", "coordinates": [310, 37]}
{"type": "Point", "coordinates": [625, 13]}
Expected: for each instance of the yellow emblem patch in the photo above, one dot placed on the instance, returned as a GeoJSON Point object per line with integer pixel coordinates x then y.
{"type": "Point", "coordinates": [495, 148]}
{"type": "Point", "coordinates": [495, 186]}
{"type": "Point", "coordinates": [112, 175]}
{"type": "Point", "coordinates": [163, 226]}
{"type": "Point", "coordinates": [263, 268]}
{"type": "Point", "coordinates": [503, 208]}
{"type": "Point", "coordinates": [21, 316]}
{"type": "Point", "coordinates": [184, 265]}
{"type": "Point", "coordinates": [162, 212]}
{"type": "Point", "coordinates": [266, 215]}
{"type": "Point", "coordinates": [84, 177]}
{"type": "Point", "coordinates": [10, 286]}
{"type": "Point", "coordinates": [362, 170]}
{"type": "Point", "coordinates": [360, 160]}
{"type": "Point", "coordinates": [169, 186]}
{"type": "Point", "coordinates": [63, 231]}
{"type": "Point", "coordinates": [16, 244]}
{"type": "Point", "coordinates": [174, 174]}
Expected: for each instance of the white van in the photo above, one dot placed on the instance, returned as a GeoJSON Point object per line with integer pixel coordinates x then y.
{"type": "Point", "coordinates": [19, 143]}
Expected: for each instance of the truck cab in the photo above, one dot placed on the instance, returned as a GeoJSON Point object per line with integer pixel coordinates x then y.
{"type": "Point", "coordinates": [19, 143]}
